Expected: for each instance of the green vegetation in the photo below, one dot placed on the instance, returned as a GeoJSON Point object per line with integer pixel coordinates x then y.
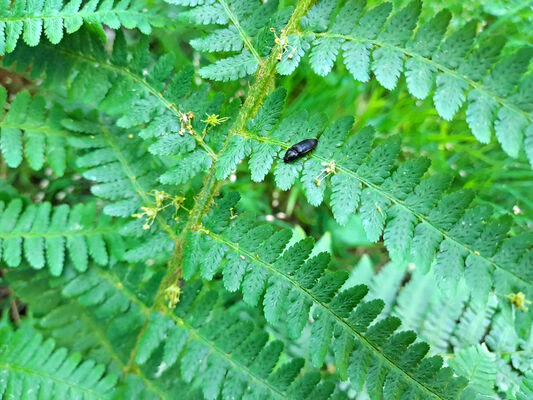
{"type": "Point", "coordinates": [154, 245]}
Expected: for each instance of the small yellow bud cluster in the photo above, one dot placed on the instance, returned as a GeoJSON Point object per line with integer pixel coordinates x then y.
{"type": "Point", "coordinates": [149, 214]}
{"type": "Point", "coordinates": [172, 295]}
{"type": "Point", "coordinates": [160, 197]}
{"type": "Point", "coordinates": [162, 201]}
{"type": "Point", "coordinates": [283, 44]}
{"type": "Point", "coordinates": [331, 168]}
{"type": "Point", "coordinates": [519, 300]}
{"type": "Point", "coordinates": [214, 119]}
{"type": "Point", "coordinates": [186, 123]}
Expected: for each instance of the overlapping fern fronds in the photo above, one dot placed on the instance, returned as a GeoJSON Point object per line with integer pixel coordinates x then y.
{"type": "Point", "coordinates": [453, 64]}
{"type": "Point", "coordinates": [150, 99]}
{"type": "Point", "coordinates": [248, 32]}
{"type": "Point", "coordinates": [463, 68]}
{"type": "Point", "coordinates": [194, 345]}
{"type": "Point", "coordinates": [419, 218]}
{"type": "Point", "coordinates": [291, 285]}
{"type": "Point", "coordinates": [31, 366]}
{"type": "Point", "coordinates": [184, 319]}
{"type": "Point", "coordinates": [476, 337]}
{"type": "Point", "coordinates": [30, 19]}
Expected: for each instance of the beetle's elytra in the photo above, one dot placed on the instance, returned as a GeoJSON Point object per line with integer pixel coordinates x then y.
{"type": "Point", "coordinates": [299, 150]}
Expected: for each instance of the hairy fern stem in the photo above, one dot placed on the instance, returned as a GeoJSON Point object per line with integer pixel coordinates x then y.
{"type": "Point", "coordinates": [253, 101]}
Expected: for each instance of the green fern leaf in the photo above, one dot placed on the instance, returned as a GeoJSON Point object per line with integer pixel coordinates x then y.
{"type": "Point", "coordinates": [480, 114]}
{"type": "Point", "coordinates": [387, 65]}
{"type": "Point", "coordinates": [400, 27]}
{"type": "Point", "coordinates": [372, 21]}
{"type": "Point", "coordinates": [135, 94]}
{"type": "Point", "coordinates": [291, 59]}
{"type": "Point", "coordinates": [421, 208]}
{"type": "Point", "coordinates": [290, 273]}
{"type": "Point", "coordinates": [227, 351]}
{"type": "Point", "coordinates": [477, 364]}
{"type": "Point", "coordinates": [456, 46]}
{"type": "Point", "coordinates": [351, 11]}
{"type": "Point", "coordinates": [449, 95]}
{"type": "Point", "coordinates": [429, 36]}
{"type": "Point", "coordinates": [269, 114]}
{"type": "Point", "coordinates": [494, 85]}
{"type": "Point", "coordinates": [221, 40]}
{"type": "Point", "coordinates": [205, 15]}
{"type": "Point", "coordinates": [318, 17]}
{"type": "Point", "coordinates": [189, 166]}
{"type": "Point", "coordinates": [509, 127]}
{"type": "Point", "coordinates": [52, 17]}
{"type": "Point", "coordinates": [345, 197]}
{"type": "Point", "coordinates": [238, 148]}
{"type": "Point", "coordinates": [200, 340]}
{"type": "Point", "coordinates": [40, 227]}
{"type": "Point", "coordinates": [231, 68]}
{"type": "Point", "coordinates": [357, 59]}
{"type": "Point", "coordinates": [323, 54]}
{"type": "Point", "coordinates": [419, 77]}
{"type": "Point", "coordinates": [474, 322]}
{"type": "Point", "coordinates": [25, 358]}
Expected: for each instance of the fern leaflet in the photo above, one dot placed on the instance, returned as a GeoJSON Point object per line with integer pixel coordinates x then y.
{"type": "Point", "coordinates": [44, 232]}
{"type": "Point", "coordinates": [29, 130]}
{"type": "Point", "coordinates": [33, 18]}
{"type": "Point", "coordinates": [196, 341]}
{"type": "Point", "coordinates": [31, 365]}
{"type": "Point", "coordinates": [366, 353]}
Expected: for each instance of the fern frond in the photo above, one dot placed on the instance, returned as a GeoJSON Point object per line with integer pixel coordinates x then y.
{"type": "Point", "coordinates": [419, 218]}
{"type": "Point", "coordinates": [144, 96]}
{"type": "Point", "coordinates": [81, 324]}
{"type": "Point", "coordinates": [121, 176]}
{"type": "Point", "coordinates": [474, 322]}
{"type": "Point", "coordinates": [126, 183]}
{"type": "Point", "coordinates": [31, 19]}
{"type": "Point", "coordinates": [249, 34]}
{"type": "Point", "coordinates": [46, 232]}
{"type": "Point", "coordinates": [526, 388]}
{"type": "Point", "coordinates": [475, 338]}
{"type": "Point", "coordinates": [70, 323]}
{"type": "Point", "coordinates": [476, 364]}
{"type": "Point", "coordinates": [196, 342]}
{"type": "Point", "coordinates": [31, 131]}
{"type": "Point", "coordinates": [31, 366]}
{"type": "Point", "coordinates": [249, 366]}
{"type": "Point", "coordinates": [464, 68]}
{"type": "Point", "coordinates": [385, 285]}
{"type": "Point", "coordinates": [459, 326]}
{"type": "Point", "coordinates": [368, 353]}
{"type": "Point", "coordinates": [459, 66]}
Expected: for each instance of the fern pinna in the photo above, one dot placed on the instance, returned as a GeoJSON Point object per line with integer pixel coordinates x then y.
{"type": "Point", "coordinates": [131, 266]}
{"type": "Point", "coordinates": [31, 19]}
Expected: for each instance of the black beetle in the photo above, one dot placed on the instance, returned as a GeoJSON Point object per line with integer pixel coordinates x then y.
{"type": "Point", "coordinates": [299, 150]}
